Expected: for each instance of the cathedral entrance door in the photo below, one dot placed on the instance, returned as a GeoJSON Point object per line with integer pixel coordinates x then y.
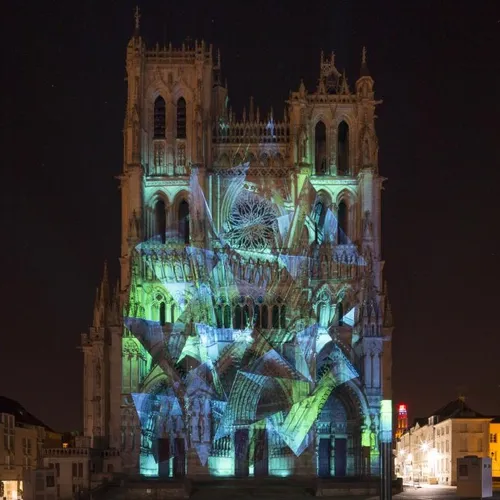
{"type": "Point", "coordinates": [179, 457]}
{"type": "Point", "coordinates": [241, 453]}
{"type": "Point", "coordinates": [164, 457]}
{"type": "Point", "coordinates": [261, 453]}
{"type": "Point", "coordinates": [324, 457]}
{"type": "Point", "coordinates": [340, 457]}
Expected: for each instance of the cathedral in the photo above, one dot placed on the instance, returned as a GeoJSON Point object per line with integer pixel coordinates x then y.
{"type": "Point", "coordinates": [250, 331]}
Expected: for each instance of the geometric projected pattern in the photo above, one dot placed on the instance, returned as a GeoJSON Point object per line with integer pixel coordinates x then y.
{"type": "Point", "coordinates": [249, 333]}
{"type": "Point", "coordinates": [246, 371]}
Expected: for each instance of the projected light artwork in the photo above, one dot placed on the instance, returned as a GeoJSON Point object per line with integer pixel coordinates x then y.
{"type": "Point", "coordinates": [250, 331]}
{"type": "Point", "coordinates": [245, 369]}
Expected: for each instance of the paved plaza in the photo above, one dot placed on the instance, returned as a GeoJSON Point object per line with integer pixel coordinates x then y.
{"type": "Point", "coordinates": [422, 493]}
{"type": "Point", "coordinates": [431, 493]}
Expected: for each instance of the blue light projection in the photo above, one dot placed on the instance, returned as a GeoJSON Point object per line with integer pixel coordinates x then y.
{"type": "Point", "coordinates": [243, 362]}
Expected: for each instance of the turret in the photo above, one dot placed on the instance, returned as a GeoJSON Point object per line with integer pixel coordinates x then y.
{"type": "Point", "coordinates": [101, 300]}
{"type": "Point", "coordinates": [364, 85]}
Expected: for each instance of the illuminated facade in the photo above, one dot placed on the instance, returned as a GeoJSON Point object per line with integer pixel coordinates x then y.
{"type": "Point", "coordinates": [428, 451]}
{"type": "Point", "coordinates": [250, 333]}
{"type": "Point", "coordinates": [494, 446]}
{"type": "Point", "coordinates": [22, 438]}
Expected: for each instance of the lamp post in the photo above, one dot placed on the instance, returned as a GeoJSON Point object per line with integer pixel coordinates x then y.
{"type": "Point", "coordinates": [385, 443]}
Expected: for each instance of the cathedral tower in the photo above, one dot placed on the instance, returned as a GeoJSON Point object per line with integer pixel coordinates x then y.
{"type": "Point", "coordinates": [251, 331]}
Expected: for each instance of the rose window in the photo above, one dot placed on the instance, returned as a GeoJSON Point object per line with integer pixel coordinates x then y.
{"type": "Point", "coordinates": [251, 224]}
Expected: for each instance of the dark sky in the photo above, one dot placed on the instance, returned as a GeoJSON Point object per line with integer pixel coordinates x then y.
{"type": "Point", "coordinates": [436, 65]}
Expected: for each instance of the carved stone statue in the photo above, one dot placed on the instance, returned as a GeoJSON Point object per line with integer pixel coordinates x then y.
{"type": "Point", "coordinates": [367, 225]}
{"type": "Point", "coordinates": [199, 135]}
{"type": "Point", "coordinates": [303, 145]}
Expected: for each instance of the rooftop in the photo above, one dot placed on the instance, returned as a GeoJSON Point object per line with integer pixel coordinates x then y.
{"type": "Point", "coordinates": [20, 413]}
{"type": "Point", "coordinates": [457, 409]}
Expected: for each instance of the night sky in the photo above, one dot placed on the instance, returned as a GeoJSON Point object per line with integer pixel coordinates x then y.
{"type": "Point", "coordinates": [436, 65]}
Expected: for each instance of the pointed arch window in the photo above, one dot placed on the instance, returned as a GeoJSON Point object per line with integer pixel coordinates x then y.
{"type": "Point", "coordinates": [283, 317]}
{"type": "Point", "coordinates": [276, 316]}
{"type": "Point", "coordinates": [218, 316]}
{"type": "Point", "coordinates": [237, 322]}
{"type": "Point", "coordinates": [163, 313]}
{"type": "Point", "coordinates": [340, 313]}
{"type": "Point", "coordinates": [246, 316]}
{"type": "Point", "coordinates": [320, 148]}
{"type": "Point", "coordinates": [342, 226]}
{"type": "Point", "coordinates": [258, 316]}
{"type": "Point", "coordinates": [323, 313]}
{"type": "Point", "coordinates": [227, 316]}
{"type": "Point", "coordinates": [160, 220]}
{"type": "Point", "coordinates": [183, 218]}
{"type": "Point", "coordinates": [264, 321]}
{"type": "Point", "coordinates": [343, 149]}
{"type": "Point", "coordinates": [181, 118]}
{"type": "Point", "coordinates": [160, 115]}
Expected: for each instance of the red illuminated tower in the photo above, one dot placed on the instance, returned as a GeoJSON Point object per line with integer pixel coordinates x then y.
{"type": "Point", "coordinates": [402, 424]}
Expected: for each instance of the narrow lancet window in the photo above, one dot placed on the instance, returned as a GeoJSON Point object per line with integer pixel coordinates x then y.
{"type": "Point", "coordinates": [160, 220]}
{"type": "Point", "coordinates": [276, 316]}
{"type": "Point", "coordinates": [265, 317]}
{"type": "Point", "coordinates": [237, 321]}
{"type": "Point", "coordinates": [283, 317]}
{"type": "Point", "coordinates": [320, 149]}
{"type": "Point", "coordinates": [227, 316]}
{"type": "Point", "coordinates": [184, 221]}
{"type": "Point", "coordinates": [181, 118]}
{"type": "Point", "coordinates": [159, 118]}
{"type": "Point", "coordinates": [162, 313]}
{"type": "Point", "coordinates": [342, 236]}
{"type": "Point", "coordinates": [340, 313]}
{"type": "Point", "coordinates": [343, 149]}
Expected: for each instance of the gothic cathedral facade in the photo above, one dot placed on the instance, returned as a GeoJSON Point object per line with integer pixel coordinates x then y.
{"type": "Point", "coordinates": [250, 331]}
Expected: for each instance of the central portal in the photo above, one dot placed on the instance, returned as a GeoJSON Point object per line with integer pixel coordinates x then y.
{"type": "Point", "coordinates": [241, 441]}
{"type": "Point", "coordinates": [261, 454]}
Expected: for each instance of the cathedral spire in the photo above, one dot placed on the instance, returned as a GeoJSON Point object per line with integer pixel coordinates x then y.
{"type": "Point", "coordinates": [137, 21]}
{"type": "Point", "coordinates": [388, 319]}
{"type": "Point", "coordinates": [364, 67]}
{"type": "Point", "coordinates": [251, 115]}
{"type": "Point", "coordinates": [105, 280]}
{"type": "Point", "coordinates": [344, 89]}
{"type": "Point", "coordinates": [102, 299]}
{"type": "Point", "coordinates": [97, 316]}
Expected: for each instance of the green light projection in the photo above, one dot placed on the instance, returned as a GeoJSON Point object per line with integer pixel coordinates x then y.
{"type": "Point", "coordinates": [240, 365]}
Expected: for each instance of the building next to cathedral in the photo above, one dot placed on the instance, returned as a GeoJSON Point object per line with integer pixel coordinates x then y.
{"type": "Point", "coordinates": [250, 331]}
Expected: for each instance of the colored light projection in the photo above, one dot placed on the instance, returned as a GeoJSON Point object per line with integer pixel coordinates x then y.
{"type": "Point", "coordinates": [240, 361]}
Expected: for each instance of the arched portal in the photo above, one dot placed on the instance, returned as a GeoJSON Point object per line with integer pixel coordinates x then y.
{"type": "Point", "coordinates": [331, 428]}
{"type": "Point", "coordinates": [339, 425]}
{"type": "Point", "coordinates": [343, 149]}
{"type": "Point", "coordinates": [320, 149]}
{"type": "Point", "coordinates": [160, 220]}
{"type": "Point", "coordinates": [183, 218]}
